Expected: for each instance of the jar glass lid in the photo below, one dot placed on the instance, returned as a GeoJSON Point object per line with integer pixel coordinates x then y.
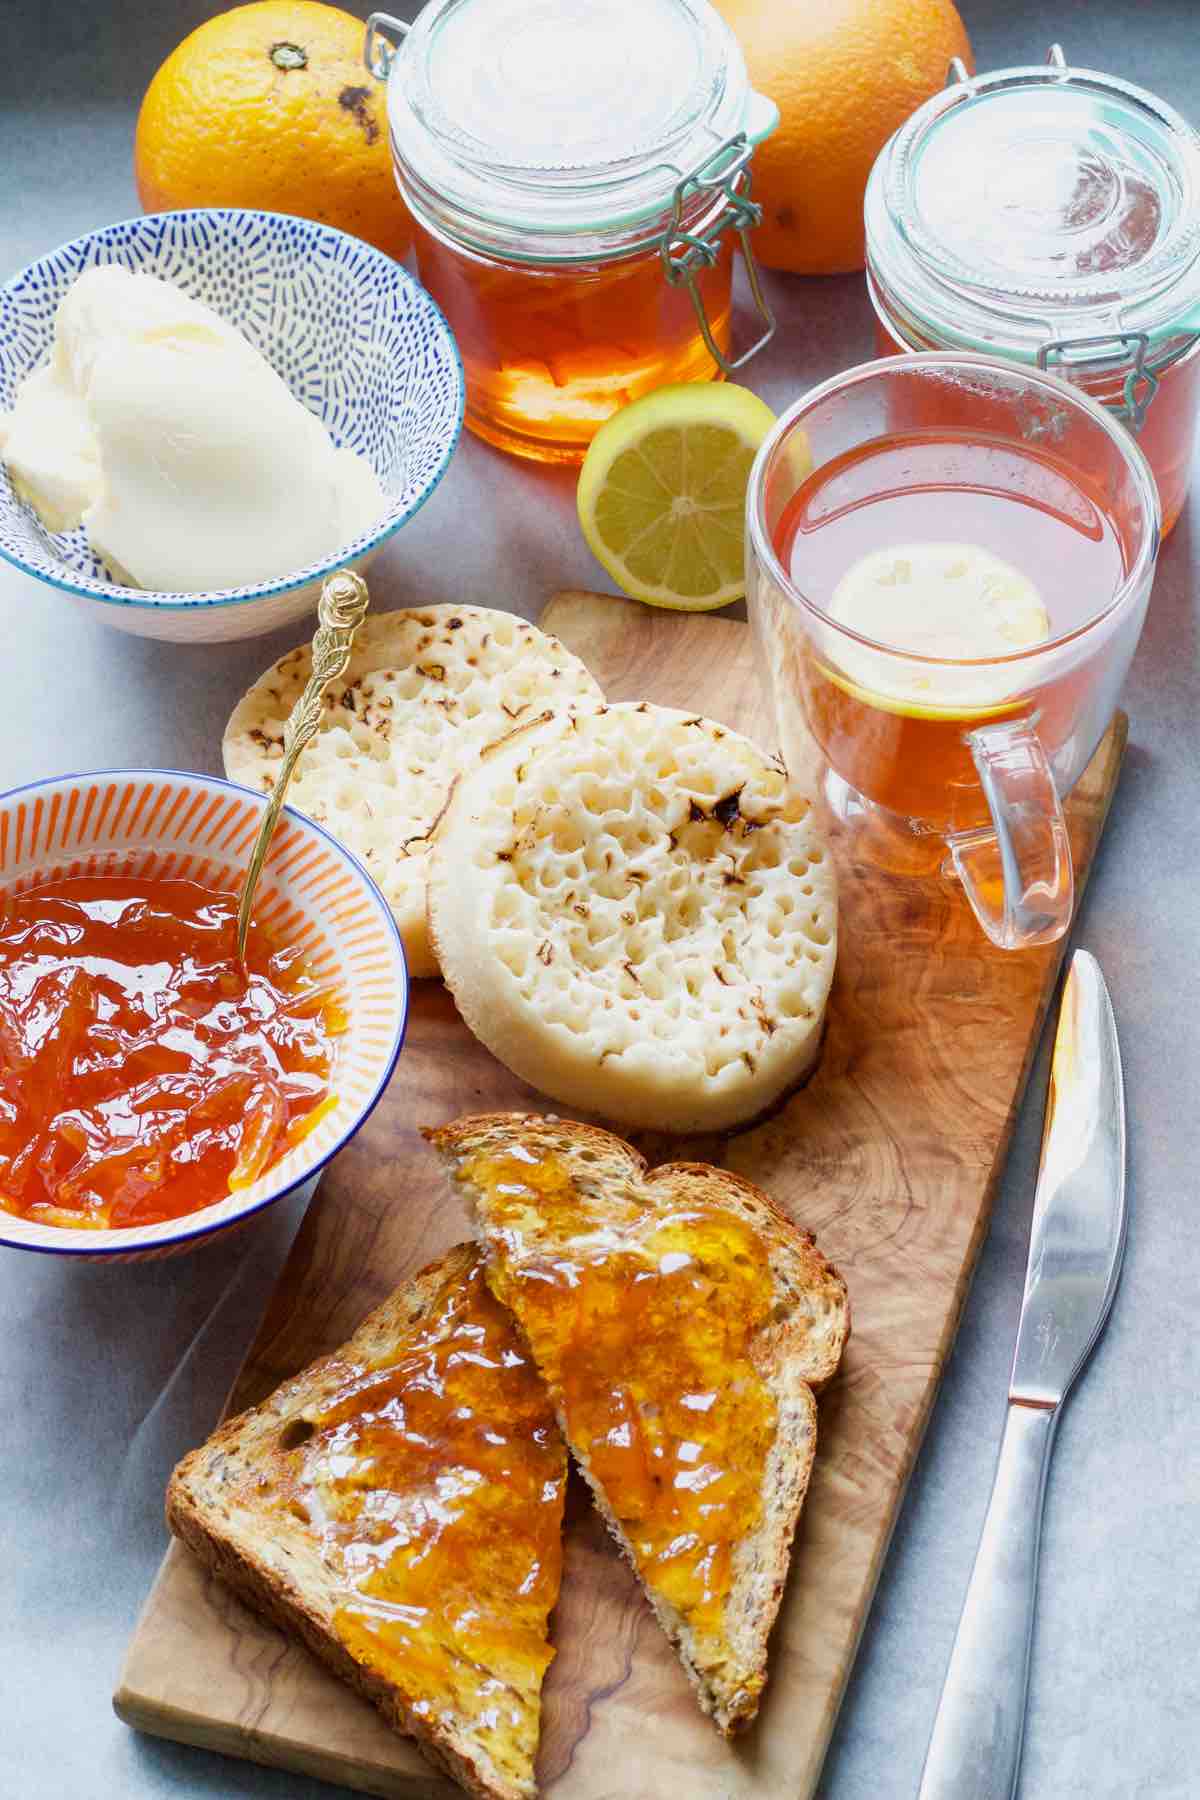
{"type": "Point", "coordinates": [1039, 203]}
{"type": "Point", "coordinates": [560, 115]}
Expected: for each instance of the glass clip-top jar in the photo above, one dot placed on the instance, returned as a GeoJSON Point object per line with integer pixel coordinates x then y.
{"type": "Point", "coordinates": [578, 172]}
{"type": "Point", "coordinates": [1051, 215]}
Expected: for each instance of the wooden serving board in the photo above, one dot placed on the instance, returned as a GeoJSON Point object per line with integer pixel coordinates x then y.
{"type": "Point", "coordinates": [890, 1155]}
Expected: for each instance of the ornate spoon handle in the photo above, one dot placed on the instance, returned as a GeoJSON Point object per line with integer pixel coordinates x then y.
{"type": "Point", "coordinates": [343, 606]}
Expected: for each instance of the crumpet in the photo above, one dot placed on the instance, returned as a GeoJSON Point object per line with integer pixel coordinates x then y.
{"type": "Point", "coordinates": [425, 693]}
{"type": "Point", "coordinates": [637, 914]}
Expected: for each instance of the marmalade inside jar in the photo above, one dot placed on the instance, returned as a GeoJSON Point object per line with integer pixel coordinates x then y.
{"type": "Point", "coordinates": [550, 352]}
{"type": "Point", "coordinates": [548, 154]}
{"type": "Point", "coordinates": [646, 1330]}
{"type": "Point", "coordinates": [143, 1072]}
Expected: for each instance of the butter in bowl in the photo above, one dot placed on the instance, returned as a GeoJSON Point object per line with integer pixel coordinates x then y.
{"type": "Point", "coordinates": [203, 414]}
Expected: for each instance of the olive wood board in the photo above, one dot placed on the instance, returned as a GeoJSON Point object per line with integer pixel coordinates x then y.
{"type": "Point", "coordinates": [890, 1154]}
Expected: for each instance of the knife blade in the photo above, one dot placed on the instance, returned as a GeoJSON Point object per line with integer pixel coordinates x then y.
{"type": "Point", "coordinates": [1077, 1242]}
{"type": "Point", "coordinates": [1077, 1238]}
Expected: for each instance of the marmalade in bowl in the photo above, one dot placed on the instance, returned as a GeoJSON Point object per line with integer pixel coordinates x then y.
{"type": "Point", "coordinates": [144, 1073]}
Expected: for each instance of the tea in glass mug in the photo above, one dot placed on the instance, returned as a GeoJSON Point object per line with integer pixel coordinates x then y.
{"type": "Point", "coordinates": [949, 560]}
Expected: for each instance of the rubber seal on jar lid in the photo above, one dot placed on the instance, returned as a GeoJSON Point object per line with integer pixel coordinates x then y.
{"type": "Point", "coordinates": [546, 117]}
{"type": "Point", "coordinates": [1039, 203]}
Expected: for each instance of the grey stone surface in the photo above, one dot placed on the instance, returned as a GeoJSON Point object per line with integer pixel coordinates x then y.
{"type": "Point", "coordinates": [106, 1375]}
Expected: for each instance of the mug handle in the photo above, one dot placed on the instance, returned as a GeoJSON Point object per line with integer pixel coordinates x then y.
{"type": "Point", "coordinates": [1018, 876]}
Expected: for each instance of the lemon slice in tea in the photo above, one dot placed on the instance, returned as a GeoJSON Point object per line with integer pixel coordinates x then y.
{"type": "Point", "coordinates": [662, 493]}
{"type": "Point", "coordinates": [955, 603]}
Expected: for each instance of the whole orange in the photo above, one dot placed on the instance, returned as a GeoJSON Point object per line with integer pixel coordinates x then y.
{"type": "Point", "coordinates": [269, 106]}
{"type": "Point", "coordinates": [844, 75]}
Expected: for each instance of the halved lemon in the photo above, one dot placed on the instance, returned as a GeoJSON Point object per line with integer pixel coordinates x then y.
{"type": "Point", "coordinates": [662, 493]}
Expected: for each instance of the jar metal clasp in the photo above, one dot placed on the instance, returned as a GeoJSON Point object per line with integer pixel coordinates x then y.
{"type": "Point", "coordinates": [958, 73]}
{"type": "Point", "coordinates": [380, 44]}
{"type": "Point", "coordinates": [725, 170]}
{"type": "Point", "coordinates": [1110, 350]}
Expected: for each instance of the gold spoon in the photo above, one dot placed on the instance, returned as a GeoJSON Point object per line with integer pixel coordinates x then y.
{"type": "Point", "coordinates": [342, 608]}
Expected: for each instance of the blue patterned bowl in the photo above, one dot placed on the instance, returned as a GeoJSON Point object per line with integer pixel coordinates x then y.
{"type": "Point", "coordinates": [358, 341]}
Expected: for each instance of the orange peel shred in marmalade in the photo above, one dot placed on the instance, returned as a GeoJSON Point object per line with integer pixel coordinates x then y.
{"type": "Point", "coordinates": [143, 1072]}
{"type": "Point", "coordinates": [436, 1481]}
{"type": "Point", "coordinates": [644, 1330]}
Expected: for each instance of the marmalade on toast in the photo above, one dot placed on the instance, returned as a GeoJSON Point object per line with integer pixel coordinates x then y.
{"type": "Point", "coordinates": [435, 1479]}
{"type": "Point", "coordinates": [645, 1330]}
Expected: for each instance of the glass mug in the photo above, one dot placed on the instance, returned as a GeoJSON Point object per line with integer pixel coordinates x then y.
{"type": "Point", "coordinates": [962, 761]}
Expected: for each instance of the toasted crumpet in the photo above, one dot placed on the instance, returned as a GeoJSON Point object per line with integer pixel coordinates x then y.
{"type": "Point", "coordinates": [638, 916]}
{"type": "Point", "coordinates": [425, 693]}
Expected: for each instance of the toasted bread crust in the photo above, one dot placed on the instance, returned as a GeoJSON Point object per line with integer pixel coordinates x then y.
{"type": "Point", "coordinates": [279, 1574]}
{"type": "Point", "coordinates": [797, 1356]}
{"type": "Point", "coordinates": [262, 1590]}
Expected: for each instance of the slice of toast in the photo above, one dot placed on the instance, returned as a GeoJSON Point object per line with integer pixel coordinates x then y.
{"type": "Point", "coordinates": [399, 1505]}
{"type": "Point", "coordinates": [683, 1325]}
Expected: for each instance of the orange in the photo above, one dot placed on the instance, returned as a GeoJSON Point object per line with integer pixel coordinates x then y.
{"type": "Point", "coordinates": [270, 106]}
{"type": "Point", "coordinates": [844, 75]}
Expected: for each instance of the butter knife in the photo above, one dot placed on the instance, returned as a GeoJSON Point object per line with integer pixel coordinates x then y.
{"type": "Point", "coordinates": [1076, 1246]}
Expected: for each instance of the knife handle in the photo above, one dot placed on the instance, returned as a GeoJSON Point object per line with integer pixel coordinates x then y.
{"type": "Point", "coordinates": [975, 1750]}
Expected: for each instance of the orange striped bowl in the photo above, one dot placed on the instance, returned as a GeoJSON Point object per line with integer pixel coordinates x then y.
{"type": "Point", "coordinates": [159, 821]}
